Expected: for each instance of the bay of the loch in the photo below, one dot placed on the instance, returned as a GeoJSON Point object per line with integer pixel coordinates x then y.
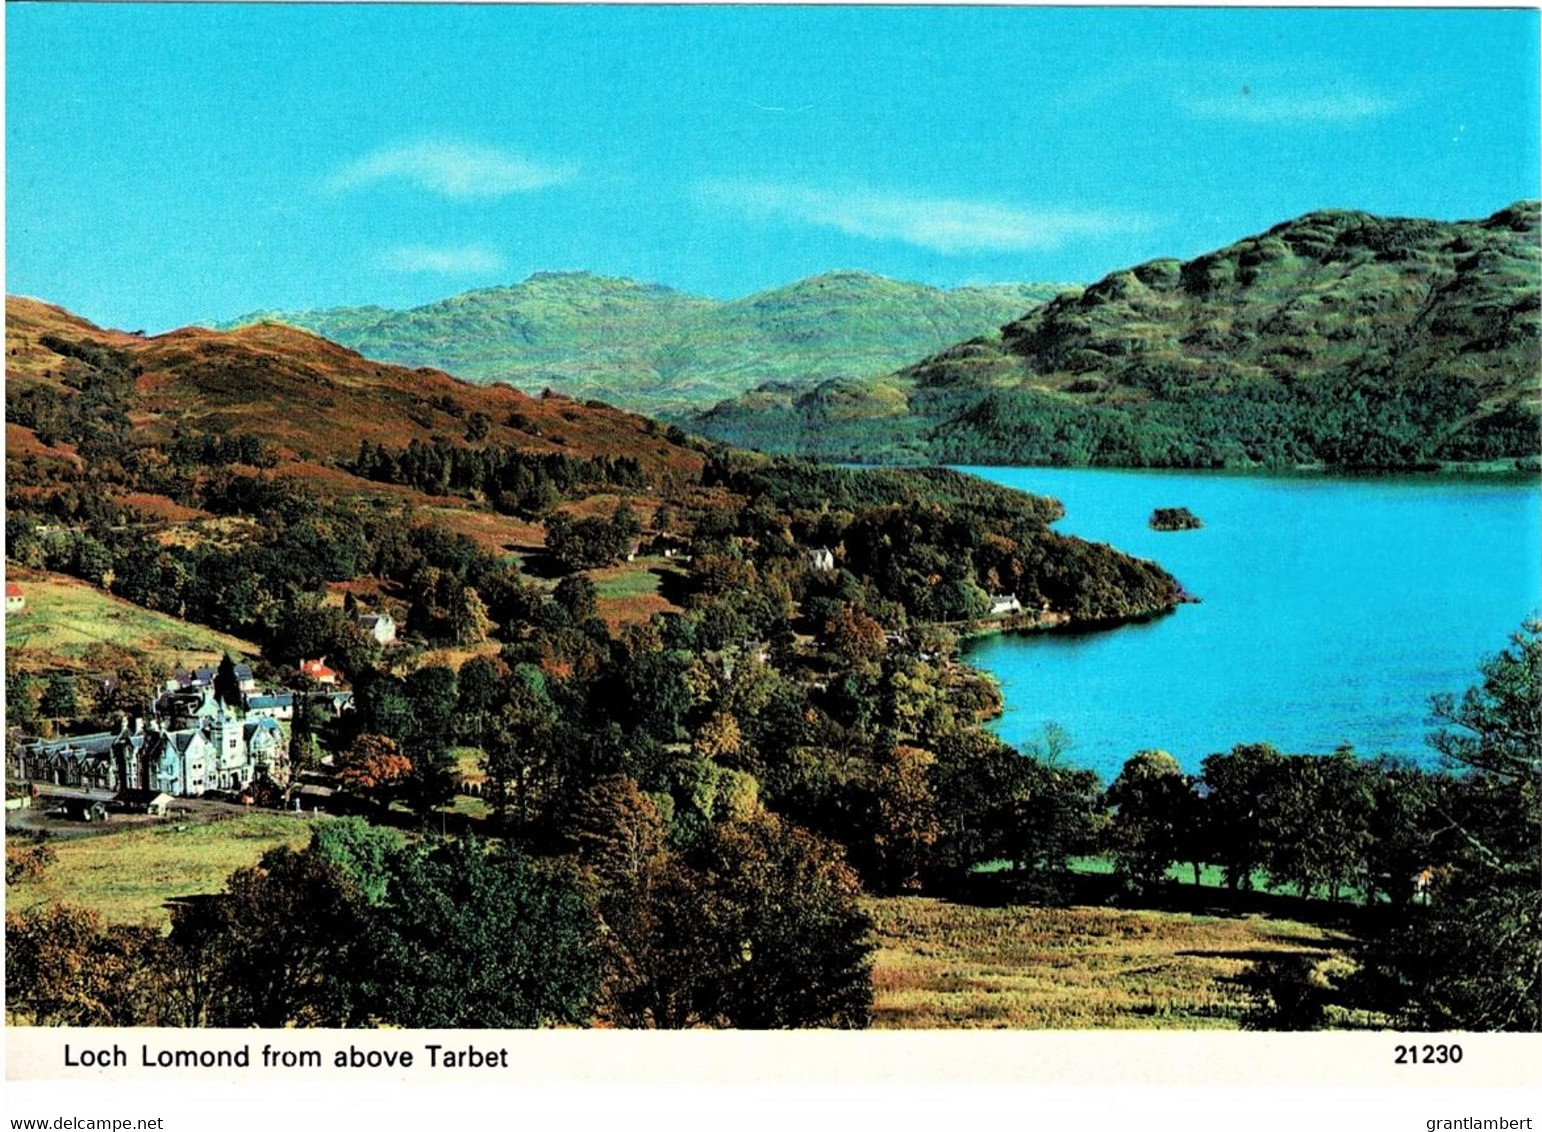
{"type": "Point", "coordinates": [1331, 609]}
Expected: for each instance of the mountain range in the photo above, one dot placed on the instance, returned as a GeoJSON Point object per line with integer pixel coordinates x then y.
{"type": "Point", "coordinates": [1339, 338]}
{"type": "Point", "coordinates": [652, 349]}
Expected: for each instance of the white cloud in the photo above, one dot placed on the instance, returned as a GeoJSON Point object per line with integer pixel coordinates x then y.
{"type": "Point", "coordinates": [453, 169]}
{"type": "Point", "coordinates": [1247, 105]}
{"type": "Point", "coordinates": [937, 223]}
{"type": "Point", "coordinates": [470, 260]}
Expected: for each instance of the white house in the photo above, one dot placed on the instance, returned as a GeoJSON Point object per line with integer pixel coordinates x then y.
{"type": "Point", "coordinates": [381, 626]}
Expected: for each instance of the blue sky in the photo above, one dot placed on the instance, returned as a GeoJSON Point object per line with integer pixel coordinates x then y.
{"type": "Point", "coordinates": [167, 164]}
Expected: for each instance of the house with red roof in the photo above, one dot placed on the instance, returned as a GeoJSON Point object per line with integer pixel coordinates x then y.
{"type": "Point", "coordinates": [318, 671]}
{"type": "Point", "coordinates": [15, 600]}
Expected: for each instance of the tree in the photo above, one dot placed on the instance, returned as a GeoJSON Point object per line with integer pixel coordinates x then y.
{"type": "Point", "coordinates": [616, 830]}
{"type": "Point", "coordinates": [854, 636]}
{"type": "Point", "coordinates": [719, 739]}
{"type": "Point", "coordinates": [64, 967]}
{"type": "Point", "coordinates": [1054, 814]}
{"type": "Point", "coordinates": [304, 750]}
{"type": "Point", "coordinates": [903, 819]}
{"type": "Point", "coordinates": [23, 695]}
{"type": "Point", "coordinates": [61, 700]}
{"type": "Point", "coordinates": [478, 685]}
{"type": "Point", "coordinates": [1469, 959]}
{"type": "Point", "coordinates": [227, 686]}
{"type": "Point", "coordinates": [469, 622]}
{"type": "Point", "coordinates": [1240, 783]}
{"type": "Point", "coordinates": [374, 766]}
{"type": "Point", "coordinates": [757, 927]}
{"type": "Point", "coordinates": [792, 942]}
{"type": "Point", "coordinates": [577, 596]}
{"type": "Point", "coordinates": [468, 938]}
{"type": "Point", "coordinates": [139, 685]}
{"type": "Point", "coordinates": [1316, 823]}
{"type": "Point", "coordinates": [1154, 807]}
{"type": "Point", "coordinates": [361, 853]}
{"type": "Point", "coordinates": [277, 948]}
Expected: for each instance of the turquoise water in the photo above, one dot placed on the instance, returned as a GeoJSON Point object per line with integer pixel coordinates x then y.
{"type": "Point", "coordinates": [1331, 610]}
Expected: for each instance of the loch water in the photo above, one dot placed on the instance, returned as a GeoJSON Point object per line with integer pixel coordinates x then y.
{"type": "Point", "coordinates": [1331, 610]}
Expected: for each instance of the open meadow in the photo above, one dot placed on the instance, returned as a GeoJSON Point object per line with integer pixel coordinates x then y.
{"type": "Point", "coordinates": [945, 965]}
{"type": "Point", "coordinates": [128, 874]}
{"type": "Point", "coordinates": [66, 620]}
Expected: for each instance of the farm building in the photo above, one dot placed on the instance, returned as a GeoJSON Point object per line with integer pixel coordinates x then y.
{"type": "Point", "coordinates": [15, 600]}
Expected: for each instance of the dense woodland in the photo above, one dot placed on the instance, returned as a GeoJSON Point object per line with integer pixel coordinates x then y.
{"type": "Point", "coordinates": [685, 810]}
{"type": "Point", "coordinates": [715, 882]}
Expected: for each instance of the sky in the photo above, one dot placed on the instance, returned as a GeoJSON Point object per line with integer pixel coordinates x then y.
{"type": "Point", "coordinates": [170, 164]}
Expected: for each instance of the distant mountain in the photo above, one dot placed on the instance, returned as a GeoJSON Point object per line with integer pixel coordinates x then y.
{"type": "Point", "coordinates": [649, 348]}
{"type": "Point", "coordinates": [1340, 338]}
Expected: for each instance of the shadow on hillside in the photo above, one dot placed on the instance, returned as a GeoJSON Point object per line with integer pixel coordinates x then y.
{"type": "Point", "coordinates": [540, 563]}
{"type": "Point", "coordinates": [673, 585]}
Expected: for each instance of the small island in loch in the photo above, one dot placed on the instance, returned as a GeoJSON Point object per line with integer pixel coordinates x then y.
{"type": "Point", "coordinates": [1174, 519]}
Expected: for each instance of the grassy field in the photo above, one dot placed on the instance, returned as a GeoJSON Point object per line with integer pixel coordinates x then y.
{"type": "Point", "coordinates": [127, 875]}
{"type": "Point", "coordinates": [630, 592]}
{"type": "Point", "coordinates": [952, 965]}
{"type": "Point", "coordinates": [64, 618]}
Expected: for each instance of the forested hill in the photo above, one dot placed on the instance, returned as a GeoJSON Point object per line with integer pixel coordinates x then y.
{"type": "Point", "coordinates": [287, 458]}
{"type": "Point", "coordinates": [1339, 339]}
{"type": "Point", "coordinates": [649, 348]}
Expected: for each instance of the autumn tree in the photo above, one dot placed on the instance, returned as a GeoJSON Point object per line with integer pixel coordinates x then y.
{"type": "Point", "coordinates": [616, 830]}
{"type": "Point", "coordinates": [469, 622]}
{"type": "Point", "coordinates": [792, 947]}
{"type": "Point", "coordinates": [903, 819]}
{"type": "Point", "coordinates": [65, 967]}
{"type": "Point", "coordinates": [854, 636]}
{"type": "Point", "coordinates": [374, 766]}
{"type": "Point", "coordinates": [756, 927]}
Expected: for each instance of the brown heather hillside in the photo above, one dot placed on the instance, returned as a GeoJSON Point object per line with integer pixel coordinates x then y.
{"type": "Point", "coordinates": [313, 400]}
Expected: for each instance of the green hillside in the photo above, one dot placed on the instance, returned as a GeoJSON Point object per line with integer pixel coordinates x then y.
{"type": "Point", "coordinates": [652, 349]}
{"type": "Point", "coordinates": [1339, 339]}
{"type": "Point", "coordinates": [65, 623]}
